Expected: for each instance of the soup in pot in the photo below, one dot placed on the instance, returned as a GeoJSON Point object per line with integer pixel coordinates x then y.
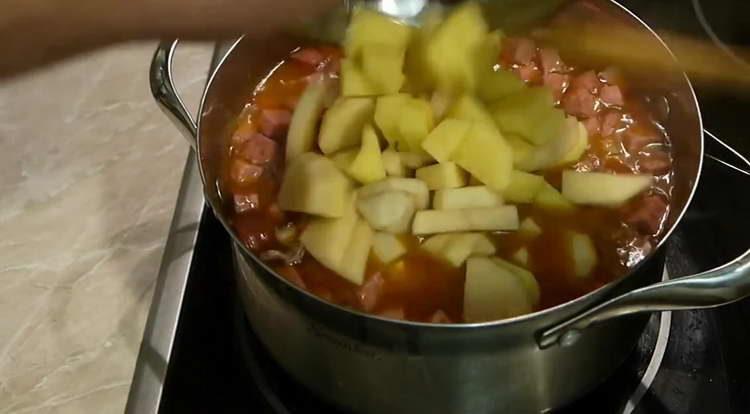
{"type": "Point", "coordinates": [447, 173]}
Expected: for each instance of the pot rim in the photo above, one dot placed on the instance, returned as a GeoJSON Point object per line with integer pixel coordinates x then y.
{"type": "Point", "coordinates": [581, 300]}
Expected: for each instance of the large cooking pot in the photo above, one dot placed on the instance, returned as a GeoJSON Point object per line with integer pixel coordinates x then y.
{"type": "Point", "coordinates": [370, 364]}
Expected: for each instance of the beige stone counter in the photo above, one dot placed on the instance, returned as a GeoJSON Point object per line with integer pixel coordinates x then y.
{"type": "Point", "coordinates": [89, 172]}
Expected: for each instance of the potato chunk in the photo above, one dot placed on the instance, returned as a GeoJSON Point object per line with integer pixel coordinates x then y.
{"type": "Point", "coordinates": [450, 52]}
{"type": "Point", "coordinates": [455, 248]}
{"type": "Point", "coordinates": [328, 239]}
{"type": "Point", "coordinates": [492, 292]}
{"type": "Point", "coordinates": [603, 189]}
{"type": "Point", "coordinates": [468, 219]}
{"type": "Point", "coordinates": [387, 247]}
{"type": "Point", "coordinates": [392, 164]}
{"type": "Point", "coordinates": [354, 262]}
{"type": "Point", "coordinates": [383, 66]}
{"type": "Point", "coordinates": [550, 199]}
{"type": "Point", "coordinates": [443, 141]}
{"type": "Point", "coordinates": [529, 228]}
{"type": "Point", "coordinates": [582, 251]}
{"type": "Point", "coordinates": [369, 27]}
{"type": "Point", "coordinates": [469, 108]}
{"type": "Point", "coordinates": [354, 83]}
{"type": "Point", "coordinates": [367, 166]}
{"type": "Point", "coordinates": [467, 197]}
{"type": "Point", "coordinates": [443, 175]}
{"type": "Point", "coordinates": [416, 188]}
{"type": "Point", "coordinates": [387, 114]}
{"type": "Point", "coordinates": [390, 211]}
{"type": "Point", "coordinates": [531, 114]}
{"type": "Point", "coordinates": [415, 123]}
{"type": "Point", "coordinates": [485, 154]}
{"type": "Point", "coordinates": [527, 279]}
{"type": "Point", "coordinates": [303, 127]}
{"type": "Point", "coordinates": [523, 187]}
{"type": "Point", "coordinates": [343, 124]}
{"type": "Point", "coordinates": [312, 184]}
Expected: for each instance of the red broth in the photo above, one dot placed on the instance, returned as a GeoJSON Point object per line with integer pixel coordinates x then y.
{"type": "Point", "coordinates": [624, 137]}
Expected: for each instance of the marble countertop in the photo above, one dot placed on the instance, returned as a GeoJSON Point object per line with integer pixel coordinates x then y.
{"type": "Point", "coordinates": [89, 173]}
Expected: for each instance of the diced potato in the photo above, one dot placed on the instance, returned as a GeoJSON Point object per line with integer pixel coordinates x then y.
{"type": "Point", "coordinates": [343, 159]}
{"type": "Point", "coordinates": [521, 149]}
{"type": "Point", "coordinates": [580, 146]}
{"type": "Point", "coordinates": [450, 51]}
{"type": "Point", "coordinates": [368, 167]}
{"type": "Point", "coordinates": [312, 184]}
{"type": "Point", "coordinates": [527, 278]}
{"type": "Point", "coordinates": [468, 219]}
{"type": "Point", "coordinates": [468, 108]}
{"type": "Point", "coordinates": [392, 164]}
{"type": "Point", "coordinates": [556, 151]}
{"type": "Point", "coordinates": [354, 262]}
{"type": "Point", "coordinates": [417, 63]}
{"type": "Point", "coordinates": [416, 188]}
{"type": "Point", "coordinates": [443, 141]}
{"type": "Point", "coordinates": [485, 154]}
{"type": "Point", "coordinates": [413, 160]}
{"type": "Point", "coordinates": [549, 198]}
{"type": "Point", "coordinates": [603, 189]}
{"type": "Point", "coordinates": [328, 239]}
{"type": "Point", "coordinates": [354, 83]}
{"type": "Point", "coordinates": [443, 175]}
{"type": "Point", "coordinates": [531, 114]}
{"type": "Point", "coordinates": [497, 84]}
{"type": "Point", "coordinates": [492, 292]}
{"type": "Point", "coordinates": [529, 228]}
{"type": "Point", "coordinates": [387, 114]}
{"type": "Point", "coordinates": [467, 197]}
{"type": "Point", "coordinates": [303, 127]}
{"type": "Point", "coordinates": [521, 256]}
{"type": "Point", "coordinates": [387, 247]}
{"type": "Point", "coordinates": [523, 187]}
{"type": "Point", "coordinates": [369, 27]}
{"type": "Point", "coordinates": [483, 246]}
{"type": "Point", "coordinates": [487, 54]}
{"type": "Point", "coordinates": [415, 123]}
{"type": "Point", "coordinates": [383, 66]}
{"type": "Point", "coordinates": [583, 253]}
{"type": "Point", "coordinates": [455, 248]}
{"type": "Point", "coordinates": [343, 123]}
{"type": "Point", "coordinates": [390, 211]}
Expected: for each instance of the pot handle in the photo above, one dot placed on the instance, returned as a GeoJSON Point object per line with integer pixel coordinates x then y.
{"type": "Point", "coordinates": [163, 89]}
{"type": "Point", "coordinates": [720, 286]}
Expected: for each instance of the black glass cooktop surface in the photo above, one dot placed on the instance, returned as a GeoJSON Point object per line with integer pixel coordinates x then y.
{"type": "Point", "coordinates": [686, 362]}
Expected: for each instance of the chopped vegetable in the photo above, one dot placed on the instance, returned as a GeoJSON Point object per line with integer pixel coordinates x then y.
{"type": "Point", "coordinates": [468, 219]}
{"type": "Point", "coordinates": [492, 292]}
{"type": "Point", "coordinates": [367, 166]}
{"type": "Point", "coordinates": [392, 164]}
{"type": "Point", "coordinates": [355, 258]}
{"type": "Point", "coordinates": [602, 189]}
{"type": "Point", "coordinates": [467, 197]}
{"type": "Point", "coordinates": [343, 159]}
{"type": "Point", "coordinates": [354, 83]}
{"type": "Point", "coordinates": [387, 247]}
{"type": "Point", "coordinates": [390, 211]}
{"type": "Point", "coordinates": [443, 175]}
{"type": "Point", "coordinates": [521, 256]}
{"type": "Point", "coordinates": [523, 187]}
{"type": "Point", "coordinates": [529, 228]}
{"type": "Point", "coordinates": [549, 198]}
{"type": "Point", "coordinates": [415, 123]}
{"type": "Point", "coordinates": [485, 154]}
{"type": "Point", "coordinates": [312, 184]}
{"type": "Point", "coordinates": [387, 114]}
{"type": "Point", "coordinates": [328, 239]}
{"type": "Point", "coordinates": [414, 160]}
{"type": "Point", "coordinates": [369, 27]}
{"type": "Point", "coordinates": [527, 278]}
{"type": "Point", "coordinates": [343, 124]}
{"type": "Point", "coordinates": [531, 114]}
{"type": "Point", "coordinates": [443, 141]}
{"type": "Point", "coordinates": [416, 188]}
{"type": "Point", "coordinates": [303, 127]}
{"type": "Point", "coordinates": [383, 66]}
{"type": "Point", "coordinates": [583, 253]}
{"type": "Point", "coordinates": [455, 248]}
{"type": "Point", "coordinates": [468, 108]}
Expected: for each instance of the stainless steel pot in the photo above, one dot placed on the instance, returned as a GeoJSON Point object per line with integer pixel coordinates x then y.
{"type": "Point", "coordinates": [373, 365]}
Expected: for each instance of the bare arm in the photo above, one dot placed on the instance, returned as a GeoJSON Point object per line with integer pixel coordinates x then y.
{"type": "Point", "coordinates": [35, 32]}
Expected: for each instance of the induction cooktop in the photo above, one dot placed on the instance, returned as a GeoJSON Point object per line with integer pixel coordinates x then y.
{"type": "Point", "coordinates": [199, 354]}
